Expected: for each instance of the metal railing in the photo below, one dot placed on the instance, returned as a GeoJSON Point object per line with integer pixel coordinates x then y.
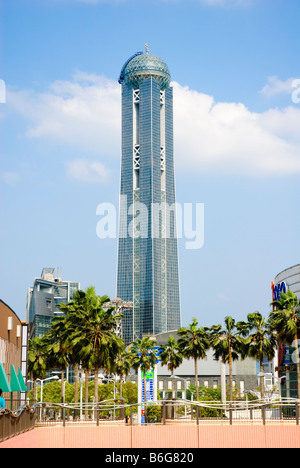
{"type": "Point", "coordinates": [169, 412]}
{"type": "Point", "coordinates": [13, 423]}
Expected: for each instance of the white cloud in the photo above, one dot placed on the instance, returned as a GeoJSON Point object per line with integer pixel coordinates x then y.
{"type": "Point", "coordinates": [276, 86]}
{"type": "Point", "coordinates": [210, 136]}
{"type": "Point", "coordinates": [9, 177]}
{"type": "Point", "coordinates": [83, 113]}
{"type": "Point", "coordinates": [87, 171]}
{"type": "Point", "coordinates": [228, 137]}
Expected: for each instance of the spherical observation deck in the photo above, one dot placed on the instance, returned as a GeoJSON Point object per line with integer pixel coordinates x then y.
{"type": "Point", "coordinates": [141, 66]}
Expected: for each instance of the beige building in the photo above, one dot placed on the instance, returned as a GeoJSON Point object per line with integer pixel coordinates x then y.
{"type": "Point", "coordinates": [13, 345]}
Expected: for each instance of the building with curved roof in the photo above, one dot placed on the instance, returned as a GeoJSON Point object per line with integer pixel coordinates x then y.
{"type": "Point", "coordinates": [141, 66]}
{"type": "Point", "coordinates": [13, 350]}
{"type": "Point", "coordinates": [288, 279]}
{"type": "Point", "coordinates": [147, 272]}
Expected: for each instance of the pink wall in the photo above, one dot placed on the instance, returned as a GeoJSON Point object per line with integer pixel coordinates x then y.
{"type": "Point", "coordinates": [202, 436]}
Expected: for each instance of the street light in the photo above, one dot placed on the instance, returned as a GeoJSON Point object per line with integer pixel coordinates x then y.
{"type": "Point", "coordinates": [54, 377]}
{"type": "Point", "coordinates": [100, 376]}
{"type": "Point", "coordinates": [185, 389]}
{"type": "Point", "coordinates": [113, 379]}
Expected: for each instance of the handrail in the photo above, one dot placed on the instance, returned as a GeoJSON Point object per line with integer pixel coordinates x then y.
{"type": "Point", "coordinates": [13, 423]}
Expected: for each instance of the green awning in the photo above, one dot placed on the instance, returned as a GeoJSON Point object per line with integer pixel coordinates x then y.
{"type": "Point", "coordinates": [4, 383]}
{"type": "Point", "coordinates": [21, 381]}
{"type": "Point", "coordinates": [14, 381]}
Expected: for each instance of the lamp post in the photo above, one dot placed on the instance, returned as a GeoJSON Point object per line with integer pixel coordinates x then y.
{"type": "Point", "coordinates": [185, 389]}
{"type": "Point", "coordinates": [101, 376]}
{"type": "Point", "coordinates": [114, 382]}
{"type": "Point", "coordinates": [54, 377]}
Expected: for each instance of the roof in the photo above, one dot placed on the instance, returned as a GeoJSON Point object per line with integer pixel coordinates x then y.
{"type": "Point", "coordinates": [140, 67]}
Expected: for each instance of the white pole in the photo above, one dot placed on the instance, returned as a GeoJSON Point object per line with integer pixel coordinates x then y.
{"type": "Point", "coordinates": [139, 396]}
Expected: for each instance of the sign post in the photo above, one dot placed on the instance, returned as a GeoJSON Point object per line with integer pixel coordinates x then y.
{"type": "Point", "coordinates": [151, 391]}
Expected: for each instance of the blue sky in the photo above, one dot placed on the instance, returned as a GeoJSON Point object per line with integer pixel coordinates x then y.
{"type": "Point", "coordinates": [235, 73]}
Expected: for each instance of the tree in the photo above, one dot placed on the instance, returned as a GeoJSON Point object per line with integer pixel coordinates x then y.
{"type": "Point", "coordinates": [143, 356]}
{"type": "Point", "coordinates": [193, 343]}
{"type": "Point", "coordinates": [36, 361]}
{"type": "Point", "coordinates": [95, 334]}
{"type": "Point", "coordinates": [72, 315]}
{"type": "Point", "coordinates": [227, 343]}
{"type": "Point", "coordinates": [56, 348]}
{"type": "Point", "coordinates": [260, 343]}
{"type": "Point", "coordinates": [171, 356]}
{"type": "Point", "coordinates": [75, 312]}
{"type": "Point", "coordinates": [123, 367]}
{"type": "Point", "coordinates": [285, 320]}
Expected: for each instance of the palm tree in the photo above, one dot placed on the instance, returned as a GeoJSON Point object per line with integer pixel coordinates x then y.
{"type": "Point", "coordinates": [172, 357]}
{"type": "Point", "coordinates": [193, 343]}
{"type": "Point", "coordinates": [73, 313]}
{"type": "Point", "coordinates": [260, 343]}
{"type": "Point", "coordinates": [123, 365]}
{"type": "Point", "coordinates": [91, 332]}
{"type": "Point", "coordinates": [56, 347]}
{"type": "Point", "coordinates": [95, 332]}
{"type": "Point", "coordinates": [285, 320]}
{"type": "Point", "coordinates": [143, 356]}
{"type": "Point", "coordinates": [36, 361]}
{"type": "Point", "coordinates": [227, 343]}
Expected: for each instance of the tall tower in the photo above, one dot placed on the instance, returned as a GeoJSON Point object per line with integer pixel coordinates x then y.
{"type": "Point", "coordinates": [147, 248]}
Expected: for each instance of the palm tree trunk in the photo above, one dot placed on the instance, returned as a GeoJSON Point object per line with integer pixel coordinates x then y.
{"type": "Point", "coordinates": [262, 380]}
{"type": "Point", "coordinates": [33, 392]}
{"type": "Point", "coordinates": [86, 395]}
{"type": "Point", "coordinates": [196, 381]}
{"type": "Point", "coordinates": [76, 378]}
{"type": "Point", "coordinates": [121, 385]}
{"type": "Point", "coordinates": [230, 375]}
{"type": "Point", "coordinates": [173, 384]}
{"type": "Point", "coordinates": [96, 385]}
{"type": "Point", "coordinates": [62, 385]}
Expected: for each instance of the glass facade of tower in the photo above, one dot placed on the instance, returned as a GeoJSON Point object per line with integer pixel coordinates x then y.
{"type": "Point", "coordinates": [147, 252]}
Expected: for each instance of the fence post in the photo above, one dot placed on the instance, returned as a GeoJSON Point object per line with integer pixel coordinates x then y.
{"type": "Point", "coordinates": [97, 415]}
{"type": "Point", "coordinates": [263, 412]}
{"type": "Point", "coordinates": [297, 414]}
{"type": "Point", "coordinates": [164, 412]}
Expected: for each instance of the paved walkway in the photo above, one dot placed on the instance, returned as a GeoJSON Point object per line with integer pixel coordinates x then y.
{"type": "Point", "coordinates": [203, 436]}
